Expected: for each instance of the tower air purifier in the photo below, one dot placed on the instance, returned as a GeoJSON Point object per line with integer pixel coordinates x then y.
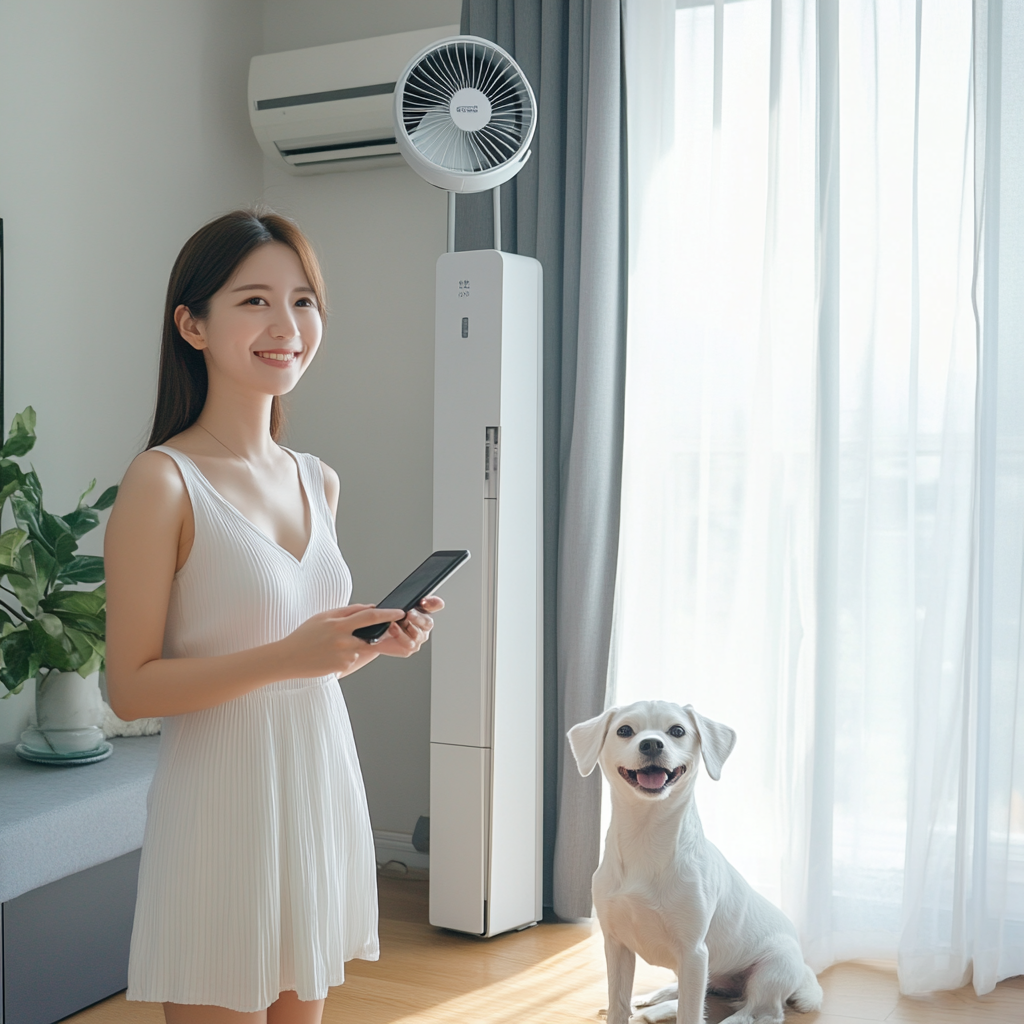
{"type": "Point", "coordinates": [464, 118]}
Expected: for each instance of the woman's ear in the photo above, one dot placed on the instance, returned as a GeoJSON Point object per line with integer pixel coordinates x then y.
{"type": "Point", "coordinates": [189, 327]}
{"type": "Point", "coordinates": [716, 741]}
{"type": "Point", "coordinates": [587, 739]}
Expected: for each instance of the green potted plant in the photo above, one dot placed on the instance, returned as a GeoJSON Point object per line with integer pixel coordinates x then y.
{"type": "Point", "coordinates": [51, 628]}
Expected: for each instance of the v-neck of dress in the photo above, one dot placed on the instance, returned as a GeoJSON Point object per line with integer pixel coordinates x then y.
{"type": "Point", "coordinates": [245, 519]}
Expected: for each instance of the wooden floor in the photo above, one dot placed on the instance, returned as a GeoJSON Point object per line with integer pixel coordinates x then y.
{"type": "Point", "coordinates": [555, 973]}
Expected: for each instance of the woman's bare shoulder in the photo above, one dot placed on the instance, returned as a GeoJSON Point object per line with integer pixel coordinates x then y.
{"type": "Point", "coordinates": [330, 475]}
{"type": "Point", "coordinates": [153, 479]}
{"type": "Point", "coordinates": [332, 486]}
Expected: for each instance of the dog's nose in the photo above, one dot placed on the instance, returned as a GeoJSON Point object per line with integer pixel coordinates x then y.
{"type": "Point", "coordinates": [651, 746]}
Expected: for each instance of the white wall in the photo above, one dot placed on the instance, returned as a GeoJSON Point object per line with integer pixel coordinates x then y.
{"type": "Point", "coordinates": [293, 24]}
{"type": "Point", "coordinates": [366, 406]}
{"type": "Point", "coordinates": [123, 127]}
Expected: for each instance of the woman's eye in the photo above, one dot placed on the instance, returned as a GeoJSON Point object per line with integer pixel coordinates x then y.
{"type": "Point", "coordinates": [255, 300]}
{"type": "Point", "coordinates": [306, 302]}
{"type": "Point", "coordinates": [677, 731]}
{"type": "Point", "coordinates": [625, 730]}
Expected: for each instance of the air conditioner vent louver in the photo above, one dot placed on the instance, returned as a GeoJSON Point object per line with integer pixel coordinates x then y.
{"type": "Point", "coordinates": [464, 114]}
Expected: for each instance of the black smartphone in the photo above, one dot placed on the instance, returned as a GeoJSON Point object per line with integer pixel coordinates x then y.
{"type": "Point", "coordinates": [420, 583]}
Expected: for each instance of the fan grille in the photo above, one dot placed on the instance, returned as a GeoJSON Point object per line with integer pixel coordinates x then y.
{"type": "Point", "coordinates": [426, 100]}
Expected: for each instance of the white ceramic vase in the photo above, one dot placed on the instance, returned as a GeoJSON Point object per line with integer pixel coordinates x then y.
{"type": "Point", "coordinates": [69, 710]}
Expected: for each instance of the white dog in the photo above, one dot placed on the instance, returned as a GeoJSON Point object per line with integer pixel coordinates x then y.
{"type": "Point", "coordinates": [663, 891]}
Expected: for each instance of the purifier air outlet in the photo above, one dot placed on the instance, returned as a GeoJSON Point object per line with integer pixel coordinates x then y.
{"type": "Point", "coordinates": [464, 114]}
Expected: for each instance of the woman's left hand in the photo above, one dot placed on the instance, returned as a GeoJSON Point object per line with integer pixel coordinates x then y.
{"type": "Point", "coordinates": [408, 636]}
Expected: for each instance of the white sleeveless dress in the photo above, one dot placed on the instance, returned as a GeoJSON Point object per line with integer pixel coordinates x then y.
{"type": "Point", "coordinates": [258, 871]}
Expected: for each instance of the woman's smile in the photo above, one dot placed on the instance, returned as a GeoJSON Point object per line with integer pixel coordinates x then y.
{"type": "Point", "coordinates": [278, 357]}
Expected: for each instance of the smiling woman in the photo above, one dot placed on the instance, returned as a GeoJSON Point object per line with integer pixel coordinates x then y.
{"type": "Point", "coordinates": [227, 615]}
{"type": "Point", "coordinates": [204, 264]}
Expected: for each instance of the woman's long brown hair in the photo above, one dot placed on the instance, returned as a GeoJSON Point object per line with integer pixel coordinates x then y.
{"type": "Point", "coordinates": [204, 265]}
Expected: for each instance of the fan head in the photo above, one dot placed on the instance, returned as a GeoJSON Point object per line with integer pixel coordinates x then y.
{"type": "Point", "coordinates": [464, 114]}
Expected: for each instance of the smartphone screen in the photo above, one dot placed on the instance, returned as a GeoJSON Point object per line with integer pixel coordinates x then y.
{"type": "Point", "coordinates": [420, 583]}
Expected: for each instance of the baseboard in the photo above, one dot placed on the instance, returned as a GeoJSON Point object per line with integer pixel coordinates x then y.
{"type": "Point", "coordinates": [398, 846]}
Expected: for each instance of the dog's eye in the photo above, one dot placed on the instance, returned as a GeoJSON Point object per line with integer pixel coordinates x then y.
{"type": "Point", "coordinates": [677, 731]}
{"type": "Point", "coordinates": [625, 730]}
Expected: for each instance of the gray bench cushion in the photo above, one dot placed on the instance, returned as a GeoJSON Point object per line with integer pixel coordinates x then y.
{"type": "Point", "coordinates": [56, 820]}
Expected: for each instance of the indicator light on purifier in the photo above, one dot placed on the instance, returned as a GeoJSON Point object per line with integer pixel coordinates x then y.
{"type": "Point", "coordinates": [465, 326]}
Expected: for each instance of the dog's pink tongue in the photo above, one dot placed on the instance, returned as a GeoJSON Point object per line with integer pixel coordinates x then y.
{"type": "Point", "coordinates": [653, 779]}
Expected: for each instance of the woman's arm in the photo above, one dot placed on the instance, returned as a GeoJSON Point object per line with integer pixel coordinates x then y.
{"type": "Point", "coordinates": [141, 556]}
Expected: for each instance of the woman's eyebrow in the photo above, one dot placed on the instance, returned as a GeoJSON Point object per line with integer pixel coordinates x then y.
{"type": "Point", "coordinates": [268, 288]}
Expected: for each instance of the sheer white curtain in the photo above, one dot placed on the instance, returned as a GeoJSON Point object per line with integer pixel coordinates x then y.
{"type": "Point", "coordinates": [803, 551]}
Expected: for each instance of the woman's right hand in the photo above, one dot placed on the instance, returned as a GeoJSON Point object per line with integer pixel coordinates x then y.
{"type": "Point", "coordinates": [324, 645]}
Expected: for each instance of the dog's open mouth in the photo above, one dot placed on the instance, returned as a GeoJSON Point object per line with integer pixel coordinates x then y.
{"type": "Point", "coordinates": [653, 778]}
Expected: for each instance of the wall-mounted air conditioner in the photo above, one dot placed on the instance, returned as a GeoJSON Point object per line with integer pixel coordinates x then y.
{"type": "Point", "coordinates": [329, 108]}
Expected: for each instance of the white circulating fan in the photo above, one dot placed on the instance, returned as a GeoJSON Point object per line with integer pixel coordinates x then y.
{"type": "Point", "coordinates": [464, 118]}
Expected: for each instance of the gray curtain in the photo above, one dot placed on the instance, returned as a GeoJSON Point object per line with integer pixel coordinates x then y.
{"type": "Point", "coordinates": [567, 208]}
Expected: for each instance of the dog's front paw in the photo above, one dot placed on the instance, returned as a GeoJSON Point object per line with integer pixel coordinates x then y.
{"type": "Point", "coordinates": [659, 996]}
{"type": "Point", "coordinates": [659, 1013]}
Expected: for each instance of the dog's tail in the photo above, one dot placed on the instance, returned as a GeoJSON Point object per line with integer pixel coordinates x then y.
{"type": "Point", "coordinates": [808, 995]}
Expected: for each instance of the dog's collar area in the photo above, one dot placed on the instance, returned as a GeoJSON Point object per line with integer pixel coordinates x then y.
{"type": "Point", "coordinates": [652, 779]}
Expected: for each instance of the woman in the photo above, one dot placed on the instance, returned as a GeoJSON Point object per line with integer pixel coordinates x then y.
{"type": "Point", "coordinates": [227, 615]}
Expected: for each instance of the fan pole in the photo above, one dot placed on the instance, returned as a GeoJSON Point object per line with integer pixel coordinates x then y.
{"type": "Point", "coordinates": [451, 222]}
{"type": "Point", "coordinates": [496, 214]}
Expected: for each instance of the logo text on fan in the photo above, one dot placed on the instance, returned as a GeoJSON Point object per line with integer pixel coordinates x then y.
{"type": "Point", "coordinates": [470, 110]}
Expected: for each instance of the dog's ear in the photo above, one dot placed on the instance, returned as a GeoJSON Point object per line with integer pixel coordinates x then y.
{"type": "Point", "coordinates": [587, 739]}
{"type": "Point", "coordinates": [716, 742]}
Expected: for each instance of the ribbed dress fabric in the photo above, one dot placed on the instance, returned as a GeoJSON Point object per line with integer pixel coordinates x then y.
{"type": "Point", "coordinates": [258, 871]}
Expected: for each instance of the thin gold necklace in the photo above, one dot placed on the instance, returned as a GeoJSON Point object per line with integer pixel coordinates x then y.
{"type": "Point", "coordinates": [223, 445]}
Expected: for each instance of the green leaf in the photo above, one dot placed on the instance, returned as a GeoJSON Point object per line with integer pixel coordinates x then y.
{"type": "Point", "coordinates": [53, 528]}
{"type": "Point", "coordinates": [50, 625]}
{"type": "Point", "coordinates": [54, 647]}
{"type": "Point", "coordinates": [23, 583]}
{"type": "Point", "coordinates": [16, 649]}
{"type": "Point", "coordinates": [24, 421]}
{"type": "Point", "coordinates": [81, 521]}
{"type": "Point", "coordinates": [93, 624]}
{"type": "Point", "coordinates": [36, 565]}
{"type": "Point", "coordinates": [11, 542]}
{"type": "Point", "coordinates": [18, 445]}
{"type": "Point", "coordinates": [80, 610]}
{"type": "Point", "coordinates": [79, 640]}
{"type": "Point", "coordinates": [94, 663]}
{"type": "Point", "coordinates": [85, 494]}
{"type": "Point", "coordinates": [77, 602]}
{"type": "Point", "coordinates": [28, 516]}
{"type": "Point", "coordinates": [106, 499]}
{"type": "Point", "coordinates": [6, 492]}
{"type": "Point", "coordinates": [49, 533]}
{"type": "Point", "coordinates": [11, 478]}
{"type": "Point", "coordinates": [23, 434]}
{"type": "Point", "coordinates": [92, 650]}
{"type": "Point", "coordinates": [82, 569]}
{"type": "Point", "coordinates": [64, 549]}
{"type": "Point", "coordinates": [32, 488]}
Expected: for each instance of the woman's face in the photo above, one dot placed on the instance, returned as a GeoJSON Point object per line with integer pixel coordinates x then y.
{"type": "Point", "coordinates": [263, 327]}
